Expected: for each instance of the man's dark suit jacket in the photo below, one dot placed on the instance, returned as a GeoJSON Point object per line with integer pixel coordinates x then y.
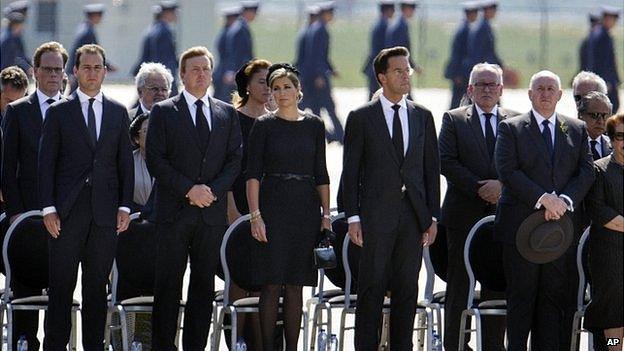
{"type": "Point", "coordinates": [481, 47]}
{"type": "Point", "coordinates": [317, 62]}
{"type": "Point", "coordinates": [162, 46]}
{"type": "Point", "coordinates": [601, 56]}
{"type": "Point", "coordinates": [84, 35]}
{"type": "Point", "coordinates": [377, 43]}
{"type": "Point", "coordinates": [175, 158]}
{"type": "Point", "coordinates": [12, 51]}
{"type": "Point", "coordinates": [133, 113]}
{"type": "Point", "coordinates": [372, 177]}
{"type": "Point", "coordinates": [22, 129]}
{"type": "Point", "coordinates": [67, 158]}
{"type": "Point", "coordinates": [459, 51]}
{"type": "Point", "coordinates": [525, 169]}
{"type": "Point", "coordinates": [464, 161]}
{"type": "Point", "coordinates": [239, 45]}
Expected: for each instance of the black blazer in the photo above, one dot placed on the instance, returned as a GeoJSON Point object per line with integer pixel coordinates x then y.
{"type": "Point", "coordinates": [67, 158]}
{"type": "Point", "coordinates": [464, 161]}
{"type": "Point", "coordinates": [134, 112]}
{"type": "Point", "coordinates": [22, 129]}
{"type": "Point", "coordinates": [372, 177]}
{"type": "Point", "coordinates": [175, 159]}
{"type": "Point", "coordinates": [525, 169]}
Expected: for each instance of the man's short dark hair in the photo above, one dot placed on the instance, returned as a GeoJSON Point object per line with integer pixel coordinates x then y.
{"type": "Point", "coordinates": [14, 77]}
{"type": "Point", "coordinates": [50, 46]}
{"type": "Point", "coordinates": [380, 64]}
{"type": "Point", "coordinates": [90, 49]}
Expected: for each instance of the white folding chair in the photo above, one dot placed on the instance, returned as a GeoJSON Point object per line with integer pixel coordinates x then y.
{"type": "Point", "coordinates": [582, 299]}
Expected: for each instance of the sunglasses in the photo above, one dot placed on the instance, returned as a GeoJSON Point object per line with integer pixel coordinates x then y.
{"type": "Point", "coordinates": [619, 136]}
{"type": "Point", "coordinates": [597, 115]}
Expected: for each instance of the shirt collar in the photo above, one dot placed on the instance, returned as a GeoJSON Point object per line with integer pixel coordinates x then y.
{"type": "Point", "coordinates": [143, 108]}
{"type": "Point", "coordinates": [539, 118]}
{"type": "Point", "coordinates": [597, 140]}
{"type": "Point", "coordinates": [85, 98]}
{"type": "Point", "coordinates": [387, 104]}
{"type": "Point", "coordinates": [190, 99]}
{"type": "Point", "coordinates": [43, 97]}
{"type": "Point", "coordinates": [481, 112]}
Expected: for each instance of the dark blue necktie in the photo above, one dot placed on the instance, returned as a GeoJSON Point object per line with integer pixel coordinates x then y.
{"type": "Point", "coordinates": [547, 137]}
{"type": "Point", "coordinates": [594, 150]}
{"type": "Point", "coordinates": [490, 138]}
{"type": "Point", "coordinates": [397, 133]}
{"type": "Point", "coordinates": [91, 122]}
{"type": "Point", "coordinates": [201, 124]}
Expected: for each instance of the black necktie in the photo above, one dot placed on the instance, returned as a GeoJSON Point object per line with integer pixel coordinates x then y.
{"type": "Point", "coordinates": [547, 138]}
{"type": "Point", "coordinates": [490, 138]}
{"type": "Point", "coordinates": [50, 101]}
{"type": "Point", "coordinates": [201, 124]}
{"type": "Point", "coordinates": [91, 122]}
{"type": "Point", "coordinates": [594, 150]}
{"type": "Point", "coordinates": [397, 133]}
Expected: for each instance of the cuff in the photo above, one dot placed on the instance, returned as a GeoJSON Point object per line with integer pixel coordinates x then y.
{"type": "Point", "coordinates": [568, 201]}
{"type": "Point", "coordinates": [48, 210]}
{"type": "Point", "coordinates": [125, 209]}
{"type": "Point", "coordinates": [434, 219]}
{"type": "Point", "coordinates": [538, 204]}
{"type": "Point", "coordinates": [353, 219]}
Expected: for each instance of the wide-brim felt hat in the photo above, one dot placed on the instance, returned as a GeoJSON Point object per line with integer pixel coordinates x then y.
{"type": "Point", "coordinates": [541, 241]}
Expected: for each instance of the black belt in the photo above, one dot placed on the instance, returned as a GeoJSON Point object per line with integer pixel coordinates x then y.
{"type": "Point", "coordinates": [290, 176]}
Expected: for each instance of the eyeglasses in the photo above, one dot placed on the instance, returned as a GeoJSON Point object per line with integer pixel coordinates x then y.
{"type": "Point", "coordinates": [597, 115]}
{"type": "Point", "coordinates": [483, 85]}
{"type": "Point", "coordinates": [402, 72]}
{"type": "Point", "coordinates": [50, 70]}
{"type": "Point", "coordinates": [619, 136]}
{"type": "Point", "coordinates": [156, 90]}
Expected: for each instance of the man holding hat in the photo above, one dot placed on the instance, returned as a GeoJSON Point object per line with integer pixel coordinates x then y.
{"type": "Point", "coordinates": [602, 54]}
{"type": "Point", "coordinates": [378, 42]}
{"type": "Point", "coordinates": [543, 160]}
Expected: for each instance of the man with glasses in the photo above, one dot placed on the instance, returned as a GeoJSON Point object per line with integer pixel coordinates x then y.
{"type": "Point", "coordinates": [467, 141]}
{"type": "Point", "coordinates": [22, 130]}
{"type": "Point", "coordinates": [594, 108]}
{"type": "Point", "coordinates": [584, 82]}
{"type": "Point", "coordinates": [153, 83]}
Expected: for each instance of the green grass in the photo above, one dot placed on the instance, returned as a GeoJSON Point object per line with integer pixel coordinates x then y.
{"type": "Point", "coordinates": [517, 45]}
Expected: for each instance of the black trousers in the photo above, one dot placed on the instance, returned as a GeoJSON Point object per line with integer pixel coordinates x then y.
{"type": "Point", "coordinates": [536, 300]}
{"type": "Point", "coordinates": [25, 323]}
{"type": "Point", "coordinates": [457, 296]}
{"type": "Point", "coordinates": [80, 241]}
{"type": "Point", "coordinates": [188, 236]}
{"type": "Point", "coordinates": [390, 260]}
{"type": "Point", "coordinates": [320, 98]}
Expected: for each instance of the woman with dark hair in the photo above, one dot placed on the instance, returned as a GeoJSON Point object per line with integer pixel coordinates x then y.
{"type": "Point", "coordinates": [605, 312]}
{"type": "Point", "coordinates": [142, 179]}
{"type": "Point", "coordinates": [287, 186]}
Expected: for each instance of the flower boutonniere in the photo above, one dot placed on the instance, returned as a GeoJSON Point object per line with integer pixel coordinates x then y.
{"type": "Point", "coordinates": [564, 127]}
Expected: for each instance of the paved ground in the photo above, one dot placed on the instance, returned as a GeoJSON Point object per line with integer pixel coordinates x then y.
{"type": "Point", "coordinates": [436, 100]}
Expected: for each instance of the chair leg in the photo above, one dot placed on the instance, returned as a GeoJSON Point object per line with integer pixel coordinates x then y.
{"type": "Point", "coordinates": [315, 325]}
{"type": "Point", "coordinates": [576, 335]}
{"type": "Point", "coordinates": [462, 330]}
{"type": "Point", "coordinates": [429, 321]}
{"type": "Point", "coordinates": [341, 340]}
{"type": "Point", "coordinates": [74, 335]}
{"type": "Point", "coordinates": [479, 330]}
{"type": "Point", "coordinates": [219, 327]}
{"type": "Point", "coordinates": [234, 331]}
{"type": "Point", "coordinates": [305, 330]}
{"type": "Point", "coordinates": [9, 327]}
{"type": "Point", "coordinates": [179, 327]}
{"type": "Point", "coordinates": [125, 343]}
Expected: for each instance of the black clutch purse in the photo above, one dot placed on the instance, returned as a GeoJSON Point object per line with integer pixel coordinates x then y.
{"type": "Point", "coordinates": [324, 254]}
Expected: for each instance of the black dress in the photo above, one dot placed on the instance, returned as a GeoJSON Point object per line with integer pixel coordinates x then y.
{"type": "Point", "coordinates": [606, 260]}
{"type": "Point", "coordinates": [239, 188]}
{"type": "Point", "coordinates": [288, 158]}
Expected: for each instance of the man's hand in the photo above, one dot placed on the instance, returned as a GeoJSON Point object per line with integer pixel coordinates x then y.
{"type": "Point", "coordinates": [490, 190]}
{"type": "Point", "coordinates": [52, 223]}
{"type": "Point", "coordinates": [554, 205]}
{"type": "Point", "coordinates": [429, 236]}
{"type": "Point", "coordinates": [200, 195]}
{"type": "Point", "coordinates": [355, 233]}
{"type": "Point", "coordinates": [123, 221]}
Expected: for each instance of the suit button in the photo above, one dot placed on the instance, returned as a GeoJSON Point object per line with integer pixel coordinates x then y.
{"type": "Point", "coordinates": [198, 179]}
{"type": "Point", "coordinates": [95, 161]}
{"type": "Point", "coordinates": [204, 160]}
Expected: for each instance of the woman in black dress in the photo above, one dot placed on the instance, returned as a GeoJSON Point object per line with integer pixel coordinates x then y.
{"type": "Point", "coordinates": [287, 187]}
{"type": "Point", "coordinates": [606, 311]}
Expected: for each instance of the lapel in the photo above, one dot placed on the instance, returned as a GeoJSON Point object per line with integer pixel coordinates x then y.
{"type": "Point", "coordinates": [560, 138]}
{"type": "Point", "coordinates": [79, 119]}
{"type": "Point", "coordinates": [216, 122]}
{"type": "Point", "coordinates": [107, 121]}
{"type": "Point", "coordinates": [186, 119]}
{"type": "Point", "coordinates": [475, 123]}
{"type": "Point", "coordinates": [379, 124]}
{"type": "Point", "coordinates": [606, 146]}
{"type": "Point", "coordinates": [414, 122]}
{"type": "Point", "coordinates": [36, 117]}
{"type": "Point", "coordinates": [534, 131]}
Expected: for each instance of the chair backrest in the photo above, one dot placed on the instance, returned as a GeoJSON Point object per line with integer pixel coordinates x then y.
{"type": "Point", "coordinates": [25, 252]}
{"type": "Point", "coordinates": [483, 258]}
{"type": "Point", "coordinates": [135, 261]}
{"type": "Point", "coordinates": [580, 258]}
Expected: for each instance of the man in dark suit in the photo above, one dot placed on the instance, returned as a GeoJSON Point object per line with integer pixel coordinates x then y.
{"type": "Point", "coordinates": [594, 108]}
{"type": "Point", "coordinates": [239, 44]}
{"type": "Point", "coordinates": [13, 86]}
{"type": "Point", "coordinates": [398, 33]}
{"type": "Point", "coordinates": [319, 71]}
{"type": "Point", "coordinates": [602, 59]}
{"type": "Point", "coordinates": [85, 34]}
{"type": "Point", "coordinates": [313, 12]}
{"type": "Point", "coordinates": [22, 129]}
{"type": "Point", "coordinates": [221, 90]}
{"type": "Point", "coordinates": [194, 153]}
{"type": "Point", "coordinates": [594, 24]}
{"type": "Point", "coordinates": [86, 181]}
{"type": "Point", "coordinates": [145, 54]}
{"type": "Point", "coordinates": [467, 141]}
{"type": "Point", "coordinates": [153, 83]}
{"type": "Point", "coordinates": [391, 195]}
{"type": "Point", "coordinates": [377, 43]}
{"type": "Point", "coordinates": [12, 50]}
{"type": "Point", "coordinates": [481, 41]}
{"type": "Point", "coordinates": [162, 45]}
{"type": "Point", "coordinates": [459, 50]}
{"type": "Point", "coordinates": [543, 161]}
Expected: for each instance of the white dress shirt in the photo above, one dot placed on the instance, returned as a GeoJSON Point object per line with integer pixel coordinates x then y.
{"type": "Point", "coordinates": [97, 108]}
{"type": "Point", "coordinates": [388, 111]}
{"type": "Point", "coordinates": [552, 122]}
{"type": "Point", "coordinates": [493, 119]}
{"type": "Point", "coordinates": [190, 101]}
{"type": "Point", "coordinates": [598, 145]}
{"type": "Point", "coordinates": [43, 104]}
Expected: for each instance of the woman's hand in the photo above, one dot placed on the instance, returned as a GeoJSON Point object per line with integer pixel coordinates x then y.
{"type": "Point", "coordinates": [258, 230]}
{"type": "Point", "coordinates": [326, 224]}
